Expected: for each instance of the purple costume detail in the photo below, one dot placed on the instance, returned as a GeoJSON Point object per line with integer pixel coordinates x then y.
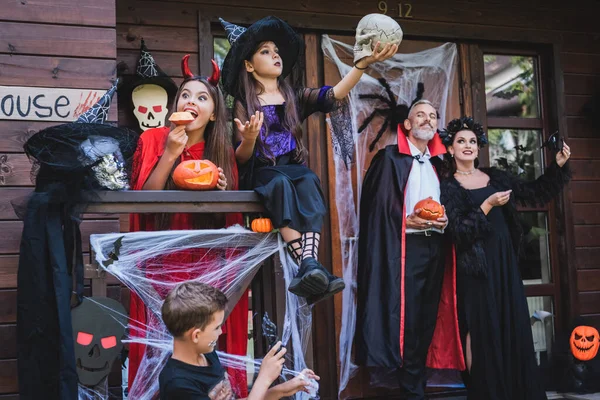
{"type": "Point", "coordinates": [280, 141]}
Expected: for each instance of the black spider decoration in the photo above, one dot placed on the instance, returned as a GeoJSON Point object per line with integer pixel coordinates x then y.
{"type": "Point", "coordinates": [395, 113]}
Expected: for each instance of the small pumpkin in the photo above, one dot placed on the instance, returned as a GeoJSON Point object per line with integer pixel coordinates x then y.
{"type": "Point", "coordinates": [181, 118]}
{"type": "Point", "coordinates": [584, 342]}
{"type": "Point", "coordinates": [263, 225]}
{"type": "Point", "coordinates": [431, 210]}
{"type": "Point", "coordinates": [196, 175]}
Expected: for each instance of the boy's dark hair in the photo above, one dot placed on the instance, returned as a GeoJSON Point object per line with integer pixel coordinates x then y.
{"type": "Point", "coordinates": [191, 305]}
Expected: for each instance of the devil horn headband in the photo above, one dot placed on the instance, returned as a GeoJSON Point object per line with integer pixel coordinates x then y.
{"type": "Point", "coordinates": [185, 69]}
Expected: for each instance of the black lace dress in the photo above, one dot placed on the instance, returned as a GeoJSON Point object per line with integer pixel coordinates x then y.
{"type": "Point", "coordinates": [494, 311]}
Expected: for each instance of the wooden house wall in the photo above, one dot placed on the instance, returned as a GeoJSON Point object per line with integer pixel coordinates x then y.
{"type": "Point", "coordinates": [76, 44]}
{"type": "Point", "coordinates": [50, 44]}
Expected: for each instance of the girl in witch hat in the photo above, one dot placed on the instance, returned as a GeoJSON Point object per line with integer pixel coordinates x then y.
{"type": "Point", "coordinates": [159, 151]}
{"type": "Point", "coordinates": [271, 155]}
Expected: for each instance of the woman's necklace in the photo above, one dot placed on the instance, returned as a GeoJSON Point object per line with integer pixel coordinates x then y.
{"type": "Point", "coordinates": [471, 172]}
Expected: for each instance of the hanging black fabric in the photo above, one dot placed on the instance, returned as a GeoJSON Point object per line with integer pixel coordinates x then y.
{"type": "Point", "coordinates": [51, 250]}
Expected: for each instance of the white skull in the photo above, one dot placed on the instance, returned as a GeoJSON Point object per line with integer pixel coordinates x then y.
{"type": "Point", "coordinates": [375, 28]}
{"type": "Point", "coordinates": [150, 106]}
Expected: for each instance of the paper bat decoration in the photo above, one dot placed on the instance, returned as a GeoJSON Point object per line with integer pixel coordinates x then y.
{"type": "Point", "coordinates": [554, 142]}
{"type": "Point", "coordinates": [114, 255]}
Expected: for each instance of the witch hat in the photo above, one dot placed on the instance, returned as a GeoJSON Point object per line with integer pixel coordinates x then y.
{"type": "Point", "coordinates": [244, 42]}
{"type": "Point", "coordinates": [98, 113]}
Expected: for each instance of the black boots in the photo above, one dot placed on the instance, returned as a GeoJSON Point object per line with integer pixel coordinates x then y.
{"type": "Point", "coordinates": [314, 282]}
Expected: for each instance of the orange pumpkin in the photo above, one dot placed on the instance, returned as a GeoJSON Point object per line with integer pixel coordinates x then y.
{"type": "Point", "coordinates": [431, 210]}
{"type": "Point", "coordinates": [181, 118]}
{"type": "Point", "coordinates": [584, 342]}
{"type": "Point", "coordinates": [262, 225]}
{"type": "Point", "coordinates": [196, 175]}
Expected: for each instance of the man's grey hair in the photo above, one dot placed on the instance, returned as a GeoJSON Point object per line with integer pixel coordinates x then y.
{"type": "Point", "coordinates": [422, 101]}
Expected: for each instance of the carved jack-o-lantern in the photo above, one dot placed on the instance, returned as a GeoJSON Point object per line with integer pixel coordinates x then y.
{"type": "Point", "coordinates": [584, 342]}
{"type": "Point", "coordinates": [150, 106]}
{"type": "Point", "coordinates": [430, 209]}
{"type": "Point", "coordinates": [196, 175]}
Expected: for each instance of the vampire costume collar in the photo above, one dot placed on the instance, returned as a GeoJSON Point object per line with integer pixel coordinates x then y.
{"type": "Point", "coordinates": [244, 42]}
{"type": "Point", "coordinates": [435, 145]}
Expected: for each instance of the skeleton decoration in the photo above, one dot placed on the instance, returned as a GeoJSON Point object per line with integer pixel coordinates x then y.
{"type": "Point", "coordinates": [98, 326]}
{"type": "Point", "coordinates": [373, 28]}
{"type": "Point", "coordinates": [98, 113]}
{"type": "Point", "coordinates": [150, 92]}
{"type": "Point", "coordinates": [150, 106]}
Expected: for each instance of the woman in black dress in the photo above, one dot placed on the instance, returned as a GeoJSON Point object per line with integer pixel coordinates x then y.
{"type": "Point", "coordinates": [493, 313]}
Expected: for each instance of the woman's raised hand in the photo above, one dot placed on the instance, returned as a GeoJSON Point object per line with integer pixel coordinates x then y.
{"type": "Point", "coordinates": [251, 129]}
{"type": "Point", "coordinates": [380, 53]}
{"type": "Point", "coordinates": [563, 155]}
{"type": "Point", "coordinates": [176, 141]}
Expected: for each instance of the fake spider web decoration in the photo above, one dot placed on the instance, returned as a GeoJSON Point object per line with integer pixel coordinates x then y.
{"type": "Point", "coordinates": [435, 69]}
{"type": "Point", "coordinates": [152, 263]}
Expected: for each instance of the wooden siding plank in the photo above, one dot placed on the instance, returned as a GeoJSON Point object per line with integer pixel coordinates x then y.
{"type": "Point", "coordinates": [588, 257]}
{"type": "Point", "coordinates": [587, 236]}
{"type": "Point", "coordinates": [71, 12]}
{"type": "Point", "coordinates": [581, 84]}
{"type": "Point", "coordinates": [8, 376]}
{"type": "Point", "coordinates": [588, 280]}
{"type": "Point", "coordinates": [580, 127]}
{"type": "Point", "coordinates": [586, 214]}
{"type": "Point", "coordinates": [10, 233]}
{"type": "Point", "coordinates": [157, 38]}
{"type": "Point", "coordinates": [584, 192]}
{"type": "Point", "coordinates": [589, 302]}
{"type": "Point", "coordinates": [57, 40]}
{"type": "Point", "coordinates": [584, 149]}
{"type": "Point", "coordinates": [56, 72]}
{"type": "Point", "coordinates": [588, 170]}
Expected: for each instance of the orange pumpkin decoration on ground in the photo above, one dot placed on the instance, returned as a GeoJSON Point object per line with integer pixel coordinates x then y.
{"type": "Point", "coordinates": [584, 342]}
{"type": "Point", "coordinates": [181, 118]}
{"type": "Point", "coordinates": [263, 225]}
{"type": "Point", "coordinates": [431, 210]}
{"type": "Point", "coordinates": [196, 175]}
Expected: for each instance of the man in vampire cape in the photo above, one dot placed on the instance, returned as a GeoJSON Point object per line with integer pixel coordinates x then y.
{"type": "Point", "coordinates": [406, 317]}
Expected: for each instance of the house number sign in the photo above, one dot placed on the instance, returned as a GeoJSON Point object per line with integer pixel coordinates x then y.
{"type": "Point", "coordinates": [404, 10]}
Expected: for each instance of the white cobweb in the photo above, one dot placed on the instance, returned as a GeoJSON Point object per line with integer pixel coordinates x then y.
{"type": "Point", "coordinates": [152, 263]}
{"type": "Point", "coordinates": [435, 68]}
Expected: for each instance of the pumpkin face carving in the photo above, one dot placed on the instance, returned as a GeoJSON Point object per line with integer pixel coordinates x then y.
{"type": "Point", "coordinates": [584, 342]}
{"type": "Point", "coordinates": [196, 175]}
{"type": "Point", "coordinates": [431, 210]}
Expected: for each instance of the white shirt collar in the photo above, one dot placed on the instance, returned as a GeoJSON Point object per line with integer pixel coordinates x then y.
{"type": "Point", "coordinates": [414, 151]}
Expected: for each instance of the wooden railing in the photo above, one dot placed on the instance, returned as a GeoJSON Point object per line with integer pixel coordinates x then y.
{"type": "Point", "coordinates": [164, 201]}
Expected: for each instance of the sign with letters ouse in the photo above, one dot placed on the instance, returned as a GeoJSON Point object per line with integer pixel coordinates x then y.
{"type": "Point", "coordinates": [45, 104]}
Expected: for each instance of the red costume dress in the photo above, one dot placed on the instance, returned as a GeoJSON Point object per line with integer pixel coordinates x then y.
{"type": "Point", "coordinates": [150, 148]}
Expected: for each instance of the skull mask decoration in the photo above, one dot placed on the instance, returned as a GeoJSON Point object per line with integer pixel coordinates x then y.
{"type": "Point", "coordinates": [150, 106]}
{"type": "Point", "coordinates": [98, 325]}
{"type": "Point", "coordinates": [375, 28]}
{"type": "Point", "coordinates": [584, 342]}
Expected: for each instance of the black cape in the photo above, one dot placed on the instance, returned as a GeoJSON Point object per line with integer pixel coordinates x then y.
{"type": "Point", "coordinates": [380, 314]}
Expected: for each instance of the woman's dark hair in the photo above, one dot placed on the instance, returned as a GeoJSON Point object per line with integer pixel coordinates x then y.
{"type": "Point", "coordinates": [217, 148]}
{"type": "Point", "coordinates": [247, 103]}
{"type": "Point", "coordinates": [448, 135]}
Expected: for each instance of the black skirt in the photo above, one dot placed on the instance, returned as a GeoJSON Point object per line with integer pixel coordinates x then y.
{"type": "Point", "coordinates": [291, 194]}
{"type": "Point", "coordinates": [494, 311]}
